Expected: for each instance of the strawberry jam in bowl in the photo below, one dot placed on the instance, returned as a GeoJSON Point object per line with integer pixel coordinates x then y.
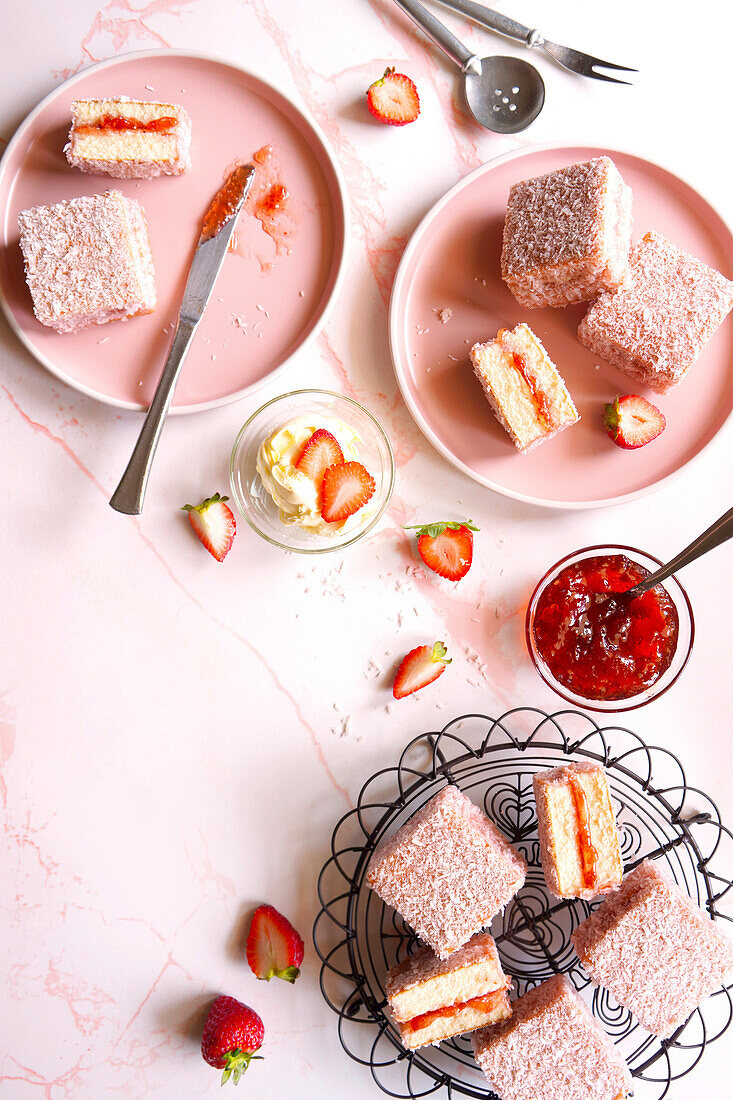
{"type": "Point", "coordinates": [598, 648]}
{"type": "Point", "coordinates": [312, 471]}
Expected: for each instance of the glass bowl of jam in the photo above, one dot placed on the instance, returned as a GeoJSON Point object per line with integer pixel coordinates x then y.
{"type": "Point", "coordinates": [599, 649]}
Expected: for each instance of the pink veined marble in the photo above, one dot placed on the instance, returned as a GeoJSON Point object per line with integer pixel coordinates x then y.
{"type": "Point", "coordinates": [141, 826]}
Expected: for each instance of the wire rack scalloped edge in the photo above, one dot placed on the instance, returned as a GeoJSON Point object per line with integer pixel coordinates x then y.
{"type": "Point", "coordinates": [659, 814]}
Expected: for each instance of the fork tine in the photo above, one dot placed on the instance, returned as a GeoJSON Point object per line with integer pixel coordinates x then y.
{"type": "Point", "coordinates": [609, 65]}
{"type": "Point", "coordinates": [610, 79]}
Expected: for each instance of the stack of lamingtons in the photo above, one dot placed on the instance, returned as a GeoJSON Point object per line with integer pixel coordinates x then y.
{"type": "Point", "coordinates": [449, 871]}
{"type": "Point", "coordinates": [567, 239]}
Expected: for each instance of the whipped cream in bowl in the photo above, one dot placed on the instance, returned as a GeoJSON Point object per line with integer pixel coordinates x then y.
{"type": "Point", "coordinates": [282, 503]}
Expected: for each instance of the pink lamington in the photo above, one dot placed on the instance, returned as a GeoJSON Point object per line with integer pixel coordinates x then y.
{"type": "Point", "coordinates": [656, 325]}
{"type": "Point", "coordinates": [448, 871]}
{"type": "Point", "coordinates": [87, 261]}
{"type": "Point", "coordinates": [551, 1048]}
{"type": "Point", "coordinates": [567, 234]}
{"type": "Point", "coordinates": [658, 953]}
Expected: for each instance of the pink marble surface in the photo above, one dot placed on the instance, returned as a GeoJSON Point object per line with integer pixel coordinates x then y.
{"type": "Point", "coordinates": [177, 737]}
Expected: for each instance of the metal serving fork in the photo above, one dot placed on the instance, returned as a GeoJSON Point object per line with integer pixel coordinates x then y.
{"type": "Point", "coordinates": [577, 62]}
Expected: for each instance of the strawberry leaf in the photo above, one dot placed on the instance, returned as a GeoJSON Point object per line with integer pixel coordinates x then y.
{"type": "Point", "coordinates": [434, 530]}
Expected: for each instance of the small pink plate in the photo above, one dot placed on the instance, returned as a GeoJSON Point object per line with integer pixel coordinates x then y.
{"type": "Point", "coordinates": [266, 304]}
{"type": "Point", "coordinates": [452, 263]}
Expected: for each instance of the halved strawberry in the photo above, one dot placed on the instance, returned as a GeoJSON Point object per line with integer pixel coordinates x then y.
{"type": "Point", "coordinates": [274, 948]}
{"type": "Point", "coordinates": [419, 668]}
{"type": "Point", "coordinates": [632, 421]}
{"type": "Point", "coordinates": [393, 99]}
{"type": "Point", "coordinates": [346, 488]}
{"type": "Point", "coordinates": [446, 548]}
{"type": "Point", "coordinates": [214, 523]}
{"type": "Point", "coordinates": [319, 452]}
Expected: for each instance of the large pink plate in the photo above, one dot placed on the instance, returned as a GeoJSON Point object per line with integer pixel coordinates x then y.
{"type": "Point", "coordinates": [265, 305]}
{"type": "Point", "coordinates": [452, 261]}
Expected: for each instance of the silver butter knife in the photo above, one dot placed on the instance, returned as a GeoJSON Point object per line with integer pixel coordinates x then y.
{"type": "Point", "coordinates": [216, 232]}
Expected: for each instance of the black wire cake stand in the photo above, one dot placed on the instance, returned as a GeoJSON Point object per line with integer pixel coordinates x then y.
{"type": "Point", "coordinates": [493, 760]}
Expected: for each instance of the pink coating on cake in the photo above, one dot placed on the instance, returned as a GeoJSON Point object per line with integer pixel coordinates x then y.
{"type": "Point", "coordinates": [87, 261]}
{"type": "Point", "coordinates": [658, 953]}
{"type": "Point", "coordinates": [551, 1047]}
{"type": "Point", "coordinates": [567, 234]}
{"type": "Point", "coordinates": [448, 871]}
{"type": "Point", "coordinates": [657, 324]}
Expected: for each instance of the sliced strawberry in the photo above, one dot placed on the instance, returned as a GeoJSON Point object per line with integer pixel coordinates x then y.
{"type": "Point", "coordinates": [632, 421]}
{"type": "Point", "coordinates": [214, 523]}
{"type": "Point", "coordinates": [319, 452]}
{"type": "Point", "coordinates": [393, 99]}
{"type": "Point", "coordinates": [274, 948]}
{"type": "Point", "coordinates": [419, 668]}
{"type": "Point", "coordinates": [446, 548]}
{"type": "Point", "coordinates": [345, 489]}
{"type": "Point", "coordinates": [232, 1033]}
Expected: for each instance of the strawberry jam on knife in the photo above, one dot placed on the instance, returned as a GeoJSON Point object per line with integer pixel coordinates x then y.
{"type": "Point", "coordinates": [597, 642]}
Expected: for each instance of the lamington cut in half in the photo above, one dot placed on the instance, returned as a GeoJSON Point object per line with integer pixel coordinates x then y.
{"type": "Point", "coordinates": [658, 953]}
{"type": "Point", "coordinates": [433, 999]}
{"type": "Point", "coordinates": [448, 871]}
{"type": "Point", "coordinates": [579, 843]}
{"type": "Point", "coordinates": [523, 387]}
{"type": "Point", "coordinates": [567, 234]}
{"type": "Point", "coordinates": [129, 138]}
{"type": "Point", "coordinates": [655, 326]}
{"type": "Point", "coordinates": [87, 261]}
{"type": "Point", "coordinates": [551, 1048]}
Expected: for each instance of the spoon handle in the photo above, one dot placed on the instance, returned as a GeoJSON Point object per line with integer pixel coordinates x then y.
{"type": "Point", "coordinates": [492, 20]}
{"type": "Point", "coordinates": [439, 33]}
{"type": "Point", "coordinates": [717, 533]}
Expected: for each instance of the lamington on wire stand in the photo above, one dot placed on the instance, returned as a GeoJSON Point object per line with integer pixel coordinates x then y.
{"type": "Point", "coordinates": [658, 953]}
{"type": "Point", "coordinates": [433, 999]}
{"type": "Point", "coordinates": [551, 1048]}
{"type": "Point", "coordinates": [129, 138]}
{"type": "Point", "coordinates": [87, 261]}
{"type": "Point", "coordinates": [567, 234]}
{"type": "Point", "coordinates": [656, 326]}
{"type": "Point", "coordinates": [448, 871]}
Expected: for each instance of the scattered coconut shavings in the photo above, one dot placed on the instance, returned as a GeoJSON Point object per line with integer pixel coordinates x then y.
{"type": "Point", "coordinates": [444, 315]}
{"type": "Point", "coordinates": [373, 669]}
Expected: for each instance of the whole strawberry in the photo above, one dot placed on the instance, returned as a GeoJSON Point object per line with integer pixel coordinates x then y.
{"type": "Point", "coordinates": [232, 1034]}
{"type": "Point", "coordinates": [274, 948]}
{"type": "Point", "coordinates": [446, 548]}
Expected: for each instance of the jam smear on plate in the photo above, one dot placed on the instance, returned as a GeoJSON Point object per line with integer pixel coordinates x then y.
{"type": "Point", "coordinates": [595, 641]}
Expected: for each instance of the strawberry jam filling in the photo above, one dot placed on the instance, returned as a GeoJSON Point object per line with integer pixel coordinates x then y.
{"type": "Point", "coordinates": [119, 124]}
{"type": "Point", "coordinates": [487, 1003]}
{"type": "Point", "coordinates": [538, 396]}
{"type": "Point", "coordinates": [588, 853]}
{"type": "Point", "coordinates": [597, 642]}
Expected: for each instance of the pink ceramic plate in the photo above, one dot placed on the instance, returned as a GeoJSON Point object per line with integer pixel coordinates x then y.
{"type": "Point", "coordinates": [452, 262]}
{"type": "Point", "coordinates": [266, 303]}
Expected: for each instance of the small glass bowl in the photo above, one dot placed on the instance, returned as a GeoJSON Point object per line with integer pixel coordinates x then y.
{"type": "Point", "coordinates": [256, 504]}
{"type": "Point", "coordinates": [685, 636]}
